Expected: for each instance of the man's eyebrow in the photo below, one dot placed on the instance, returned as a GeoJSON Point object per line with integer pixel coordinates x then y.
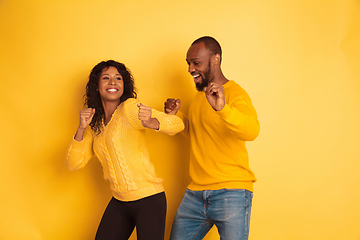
{"type": "Point", "coordinates": [192, 59]}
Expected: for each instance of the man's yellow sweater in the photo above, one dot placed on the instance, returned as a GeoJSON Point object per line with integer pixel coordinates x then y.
{"type": "Point", "coordinates": [122, 151]}
{"type": "Point", "coordinates": [218, 156]}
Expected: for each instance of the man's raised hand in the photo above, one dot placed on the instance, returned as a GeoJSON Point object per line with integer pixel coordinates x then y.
{"type": "Point", "coordinates": [171, 106]}
{"type": "Point", "coordinates": [215, 96]}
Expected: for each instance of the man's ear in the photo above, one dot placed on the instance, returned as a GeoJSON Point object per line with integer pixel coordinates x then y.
{"type": "Point", "coordinates": [216, 59]}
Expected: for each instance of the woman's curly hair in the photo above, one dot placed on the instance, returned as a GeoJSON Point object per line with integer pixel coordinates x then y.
{"type": "Point", "coordinates": [92, 95]}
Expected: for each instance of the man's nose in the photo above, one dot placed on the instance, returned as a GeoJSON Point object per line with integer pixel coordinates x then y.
{"type": "Point", "coordinates": [191, 68]}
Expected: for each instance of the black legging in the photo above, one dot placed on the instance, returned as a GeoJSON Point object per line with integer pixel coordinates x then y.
{"type": "Point", "coordinates": [147, 214]}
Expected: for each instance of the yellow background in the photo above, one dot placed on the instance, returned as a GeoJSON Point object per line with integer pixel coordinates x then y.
{"type": "Point", "coordinates": [298, 60]}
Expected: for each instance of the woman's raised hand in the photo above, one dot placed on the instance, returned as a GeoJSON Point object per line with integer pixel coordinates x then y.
{"type": "Point", "coordinates": [144, 114]}
{"type": "Point", "coordinates": [86, 116]}
{"type": "Point", "coordinates": [145, 117]}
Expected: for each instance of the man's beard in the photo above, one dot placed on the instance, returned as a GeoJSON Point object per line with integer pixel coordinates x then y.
{"type": "Point", "coordinates": [204, 83]}
{"type": "Point", "coordinates": [205, 79]}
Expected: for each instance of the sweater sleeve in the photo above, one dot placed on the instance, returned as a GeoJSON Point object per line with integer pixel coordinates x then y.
{"type": "Point", "coordinates": [169, 124]}
{"type": "Point", "coordinates": [185, 120]}
{"type": "Point", "coordinates": [240, 116]}
{"type": "Point", "coordinates": [80, 152]}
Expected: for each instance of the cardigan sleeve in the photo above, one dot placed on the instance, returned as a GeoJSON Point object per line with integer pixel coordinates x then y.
{"type": "Point", "coordinates": [169, 124]}
{"type": "Point", "coordinates": [80, 152]}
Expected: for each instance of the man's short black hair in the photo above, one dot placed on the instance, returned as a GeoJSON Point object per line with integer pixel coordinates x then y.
{"type": "Point", "coordinates": [211, 44]}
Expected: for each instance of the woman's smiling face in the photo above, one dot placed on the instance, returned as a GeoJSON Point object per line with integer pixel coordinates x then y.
{"type": "Point", "coordinates": [111, 85]}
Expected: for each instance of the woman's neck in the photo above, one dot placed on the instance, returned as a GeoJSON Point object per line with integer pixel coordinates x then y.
{"type": "Point", "coordinates": [109, 109]}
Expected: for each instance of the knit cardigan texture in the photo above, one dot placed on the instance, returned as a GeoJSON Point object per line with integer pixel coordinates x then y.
{"type": "Point", "coordinates": [122, 151]}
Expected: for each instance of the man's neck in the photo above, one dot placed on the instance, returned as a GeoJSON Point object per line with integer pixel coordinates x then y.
{"type": "Point", "coordinates": [220, 79]}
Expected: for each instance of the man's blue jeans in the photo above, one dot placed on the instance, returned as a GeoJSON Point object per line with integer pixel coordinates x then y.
{"type": "Point", "coordinates": [228, 209]}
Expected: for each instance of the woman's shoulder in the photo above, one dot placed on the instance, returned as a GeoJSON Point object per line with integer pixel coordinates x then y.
{"type": "Point", "coordinates": [130, 105]}
{"type": "Point", "coordinates": [130, 101]}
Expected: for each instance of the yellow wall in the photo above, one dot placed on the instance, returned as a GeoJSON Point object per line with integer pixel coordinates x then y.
{"type": "Point", "coordinates": [298, 60]}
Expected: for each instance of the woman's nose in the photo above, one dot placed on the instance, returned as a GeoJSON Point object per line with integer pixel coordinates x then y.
{"type": "Point", "coordinates": [112, 81]}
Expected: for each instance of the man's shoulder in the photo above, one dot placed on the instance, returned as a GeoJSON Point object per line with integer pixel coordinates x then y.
{"type": "Point", "coordinates": [234, 89]}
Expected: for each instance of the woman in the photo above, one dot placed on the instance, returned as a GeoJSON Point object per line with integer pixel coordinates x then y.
{"type": "Point", "coordinates": [113, 128]}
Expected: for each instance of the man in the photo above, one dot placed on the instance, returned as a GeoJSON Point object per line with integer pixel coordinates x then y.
{"type": "Point", "coordinates": [221, 119]}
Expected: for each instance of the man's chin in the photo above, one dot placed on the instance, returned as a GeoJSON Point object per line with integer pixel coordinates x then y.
{"type": "Point", "coordinates": [200, 86]}
{"type": "Point", "coordinates": [200, 89]}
